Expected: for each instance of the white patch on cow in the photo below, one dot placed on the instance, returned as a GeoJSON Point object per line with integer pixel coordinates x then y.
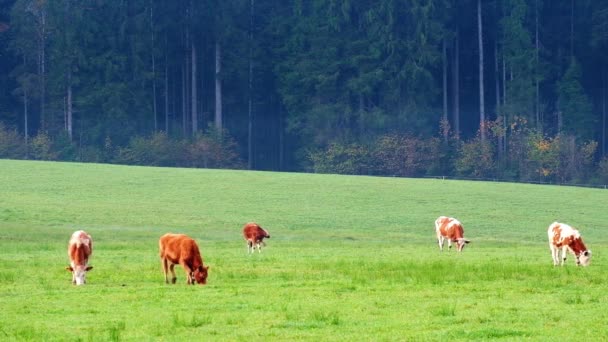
{"type": "Point", "coordinates": [559, 254]}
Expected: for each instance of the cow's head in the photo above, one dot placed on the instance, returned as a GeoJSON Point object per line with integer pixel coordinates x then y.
{"type": "Point", "coordinates": [79, 274]}
{"type": "Point", "coordinates": [266, 234]}
{"type": "Point", "coordinates": [460, 243]}
{"type": "Point", "coordinates": [200, 275]}
{"type": "Point", "coordinates": [584, 258]}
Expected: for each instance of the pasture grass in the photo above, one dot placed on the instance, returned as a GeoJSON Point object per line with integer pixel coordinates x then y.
{"type": "Point", "coordinates": [350, 258]}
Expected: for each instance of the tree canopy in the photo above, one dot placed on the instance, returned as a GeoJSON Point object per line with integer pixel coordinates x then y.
{"type": "Point", "coordinates": [286, 84]}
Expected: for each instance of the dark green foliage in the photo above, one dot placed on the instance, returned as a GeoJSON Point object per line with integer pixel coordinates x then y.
{"type": "Point", "coordinates": [574, 104]}
{"type": "Point", "coordinates": [102, 80]}
{"type": "Point", "coordinates": [214, 149]}
{"type": "Point", "coordinates": [406, 156]}
{"type": "Point", "coordinates": [156, 150]}
{"type": "Point", "coordinates": [42, 147]}
{"type": "Point", "coordinates": [342, 158]}
{"type": "Point", "coordinates": [476, 159]}
{"type": "Point", "coordinates": [11, 143]}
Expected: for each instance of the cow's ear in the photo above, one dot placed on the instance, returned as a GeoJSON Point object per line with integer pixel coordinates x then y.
{"type": "Point", "coordinates": [586, 253]}
{"type": "Point", "coordinates": [89, 268]}
{"type": "Point", "coordinates": [467, 241]}
{"type": "Point", "coordinates": [69, 268]}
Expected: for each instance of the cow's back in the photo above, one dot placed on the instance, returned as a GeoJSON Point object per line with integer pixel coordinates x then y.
{"type": "Point", "coordinates": [176, 247]}
{"type": "Point", "coordinates": [449, 227]}
{"type": "Point", "coordinates": [80, 247]}
{"type": "Point", "coordinates": [252, 232]}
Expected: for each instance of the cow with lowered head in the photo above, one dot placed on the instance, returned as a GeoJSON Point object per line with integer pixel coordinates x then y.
{"type": "Point", "coordinates": [449, 228]}
{"type": "Point", "coordinates": [564, 238]}
{"type": "Point", "coordinates": [183, 250]}
{"type": "Point", "coordinates": [80, 248]}
{"type": "Point", "coordinates": [255, 235]}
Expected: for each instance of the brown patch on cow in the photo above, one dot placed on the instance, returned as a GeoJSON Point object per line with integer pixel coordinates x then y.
{"type": "Point", "coordinates": [80, 248]}
{"type": "Point", "coordinates": [254, 235]}
{"type": "Point", "coordinates": [181, 249]}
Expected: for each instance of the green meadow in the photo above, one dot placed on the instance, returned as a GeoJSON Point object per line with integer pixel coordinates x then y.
{"type": "Point", "coordinates": [351, 258]}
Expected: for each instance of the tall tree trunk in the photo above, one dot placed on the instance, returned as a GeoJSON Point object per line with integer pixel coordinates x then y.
{"type": "Point", "coordinates": [572, 29]}
{"type": "Point", "coordinates": [504, 104]}
{"type": "Point", "coordinates": [184, 98]}
{"type": "Point", "coordinates": [497, 78]}
{"type": "Point", "coordinates": [166, 92]}
{"type": "Point", "coordinates": [69, 111]}
{"type": "Point", "coordinates": [604, 116]}
{"type": "Point", "coordinates": [445, 90]}
{"type": "Point", "coordinates": [500, 138]}
{"type": "Point", "coordinates": [281, 138]}
{"type": "Point", "coordinates": [154, 105]}
{"type": "Point", "coordinates": [456, 86]}
{"type": "Point", "coordinates": [482, 114]}
{"type": "Point", "coordinates": [193, 91]}
{"type": "Point", "coordinates": [539, 125]}
{"type": "Point", "coordinates": [250, 109]}
{"type": "Point", "coordinates": [25, 111]}
{"type": "Point", "coordinates": [42, 66]}
{"type": "Point", "coordinates": [218, 86]}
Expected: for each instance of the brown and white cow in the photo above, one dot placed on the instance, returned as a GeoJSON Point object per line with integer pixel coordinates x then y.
{"type": "Point", "coordinates": [254, 235]}
{"type": "Point", "coordinates": [563, 237]}
{"type": "Point", "coordinates": [80, 249]}
{"type": "Point", "coordinates": [183, 250]}
{"type": "Point", "coordinates": [448, 228]}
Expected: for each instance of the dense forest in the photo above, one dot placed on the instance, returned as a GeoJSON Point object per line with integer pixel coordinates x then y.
{"type": "Point", "coordinates": [508, 89]}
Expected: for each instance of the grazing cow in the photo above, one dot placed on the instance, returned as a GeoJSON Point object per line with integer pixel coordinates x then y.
{"type": "Point", "coordinates": [448, 228]}
{"type": "Point", "coordinates": [564, 237]}
{"type": "Point", "coordinates": [181, 249]}
{"type": "Point", "coordinates": [80, 249]}
{"type": "Point", "coordinates": [254, 234]}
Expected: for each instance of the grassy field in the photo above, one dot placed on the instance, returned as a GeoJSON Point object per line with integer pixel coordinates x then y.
{"type": "Point", "coordinates": [350, 258]}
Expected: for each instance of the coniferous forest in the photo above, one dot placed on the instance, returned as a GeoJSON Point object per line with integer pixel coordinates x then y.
{"type": "Point", "coordinates": [496, 89]}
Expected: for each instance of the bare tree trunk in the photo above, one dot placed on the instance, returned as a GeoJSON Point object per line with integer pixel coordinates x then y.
{"type": "Point", "coordinates": [154, 105]}
{"type": "Point", "coordinates": [500, 137]}
{"type": "Point", "coordinates": [572, 29]}
{"type": "Point", "coordinates": [604, 117]}
{"type": "Point", "coordinates": [184, 98]}
{"type": "Point", "coordinates": [25, 111]}
{"type": "Point", "coordinates": [539, 121]}
{"type": "Point", "coordinates": [166, 92]}
{"type": "Point", "coordinates": [445, 89]}
{"type": "Point", "coordinates": [482, 114]}
{"type": "Point", "coordinates": [281, 138]}
{"type": "Point", "coordinates": [497, 79]}
{"type": "Point", "coordinates": [250, 114]}
{"type": "Point", "coordinates": [218, 87]}
{"type": "Point", "coordinates": [456, 86]}
{"type": "Point", "coordinates": [193, 94]}
{"type": "Point", "coordinates": [504, 103]}
{"type": "Point", "coordinates": [42, 69]}
{"type": "Point", "coordinates": [361, 114]}
{"type": "Point", "coordinates": [69, 110]}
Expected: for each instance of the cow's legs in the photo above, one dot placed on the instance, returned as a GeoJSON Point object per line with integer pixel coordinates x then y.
{"type": "Point", "coordinates": [440, 242]}
{"type": "Point", "coordinates": [189, 272]}
{"type": "Point", "coordinates": [259, 247]}
{"type": "Point", "coordinates": [449, 244]}
{"type": "Point", "coordinates": [564, 254]}
{"type": "Point", "coordinates": [554, 254]}
{"type": "Point", "coordinates": [165, 269]}
{"type": "Point", "coordinates": [173, 277]}
{"type": "Point", "coordinates": [250, 247]}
